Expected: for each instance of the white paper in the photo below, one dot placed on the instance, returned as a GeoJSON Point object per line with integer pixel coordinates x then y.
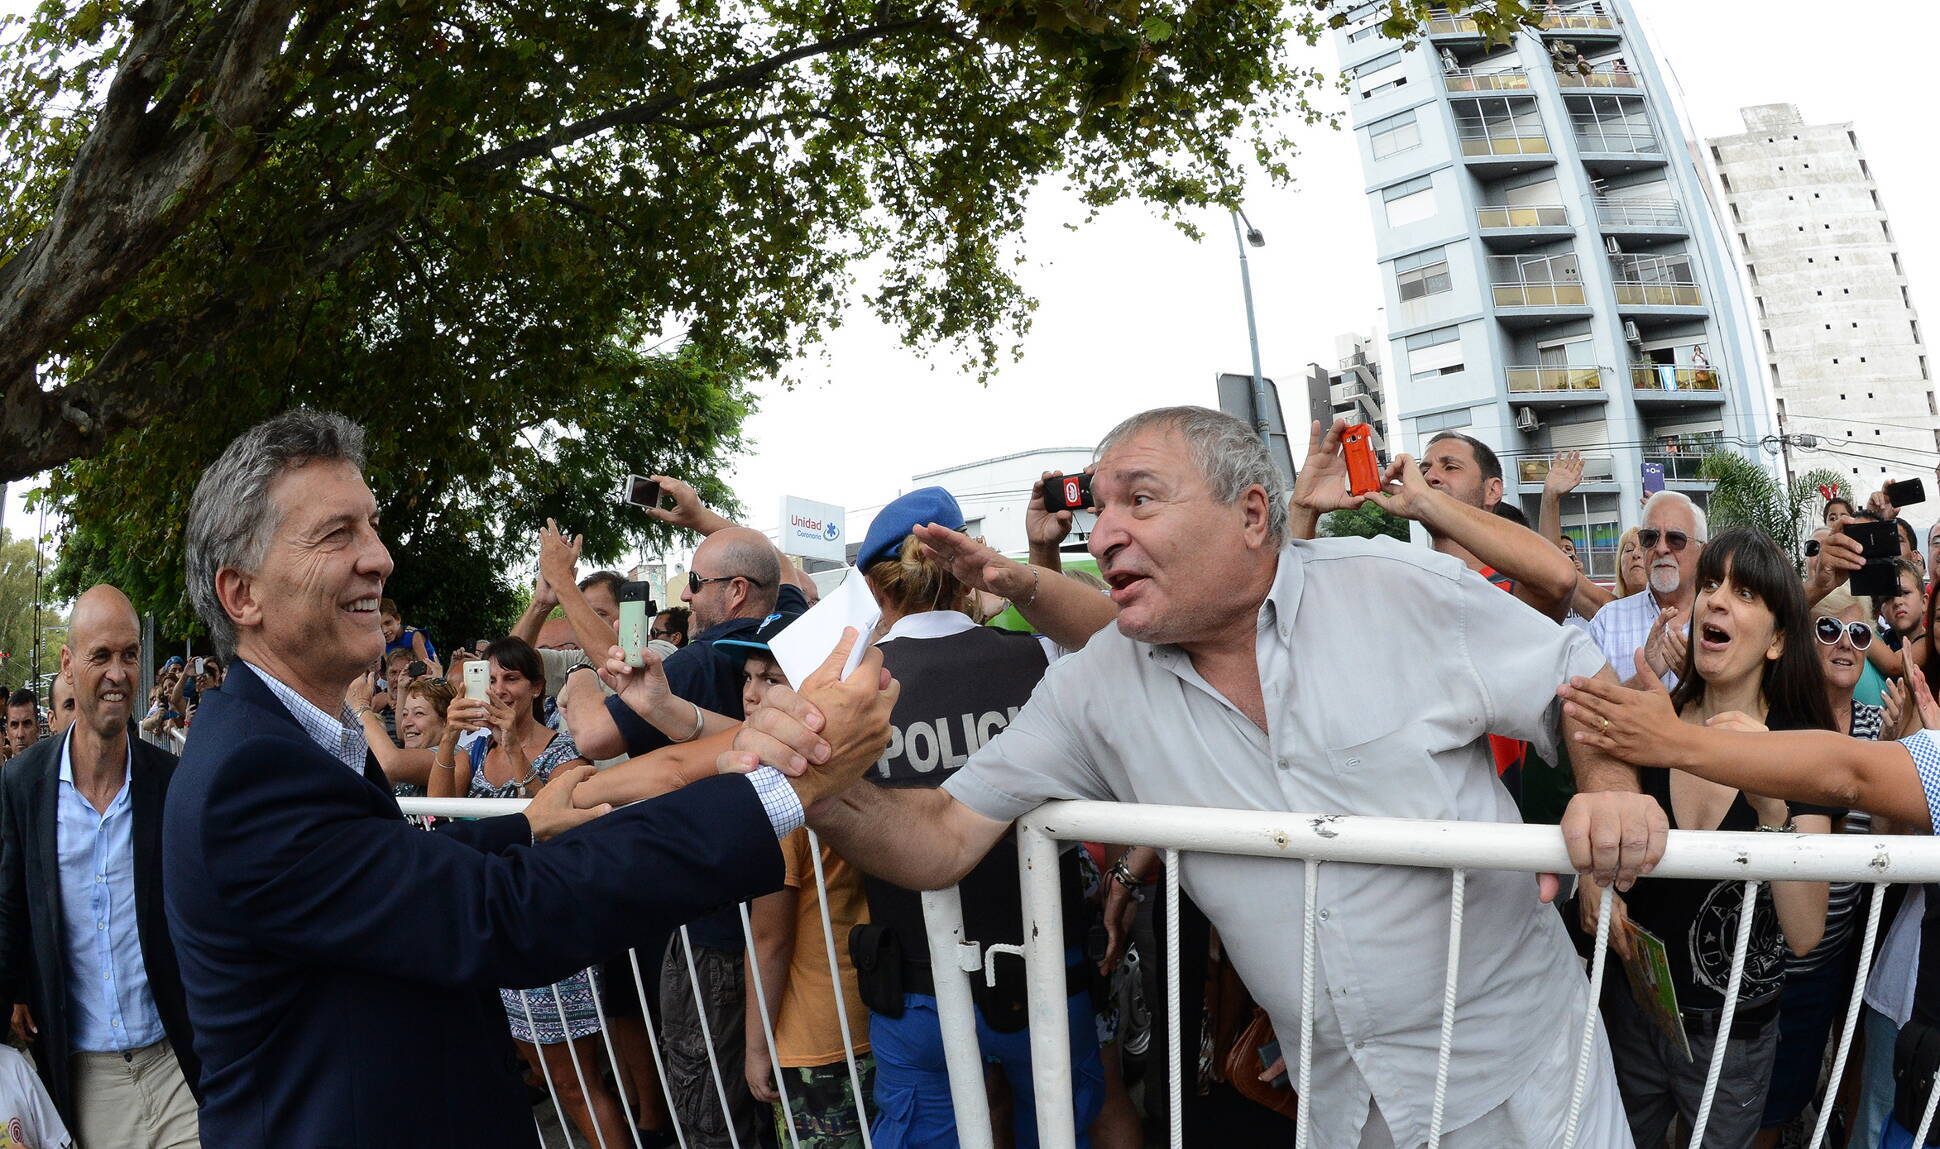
{"type": "Point", "coordinates": [801, 648]}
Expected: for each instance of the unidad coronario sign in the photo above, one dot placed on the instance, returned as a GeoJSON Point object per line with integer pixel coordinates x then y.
{"type": "Point", "coordinates": [813, 530]}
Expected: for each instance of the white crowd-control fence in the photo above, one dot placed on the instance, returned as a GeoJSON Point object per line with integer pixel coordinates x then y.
{"type": "Point", "coordinates": [1310, 840]}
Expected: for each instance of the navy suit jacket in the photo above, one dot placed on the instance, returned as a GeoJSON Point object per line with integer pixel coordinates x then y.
{"type": "Point", "coordinates": [340, 964]}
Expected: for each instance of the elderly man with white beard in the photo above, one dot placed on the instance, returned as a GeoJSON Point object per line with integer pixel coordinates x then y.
{"type": "Point", "coordinates": [1672, 536]}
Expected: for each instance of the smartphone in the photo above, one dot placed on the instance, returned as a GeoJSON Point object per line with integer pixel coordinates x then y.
{"type": "Point", "coordinates": [416, 669]}
{"type": "Point", "coordinates": [1270, 1053]}
{"type": "Point", "coordinates": [1363, 471]}
{"type": "Point", "coordinates": [1879, 543]}
{"type": "Point", "coordinates": [640, 491]}
{"type": "Point", "coordinates": [636, 621]}
{"type": "Point", "coordinates": [1653, 478]}
{"type": "Point", "coordinates": [478, 679]}
{"type": "Point", "coordinates": [1067, 492]}
{"type": "Point", "coordinates": [201, 664]}
{"type": "Point", "coordinates": [1905, 494]}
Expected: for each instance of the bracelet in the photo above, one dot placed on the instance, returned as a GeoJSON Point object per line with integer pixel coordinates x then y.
{"type": "Point", "coordinates": [452, 765]}
{"type": "Point", "coordinates": [1122, 874]}
{"type": "Point", "coordinates": [1033, 598]}
{"type": "Point", "coordinates": [700, 722]}
{"type": "Point", "coordinates": [1790, 827]}
{"type": "Point", "coordinates": [358, 714]}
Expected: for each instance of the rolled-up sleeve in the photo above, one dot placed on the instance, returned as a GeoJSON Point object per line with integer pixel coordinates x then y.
{"type": "Point", "coordinates": [1039, 757]}
{"type": "Point", "coordinates": [1520, 658]}
{"type": "Point", "coordinates": [1926, 760]}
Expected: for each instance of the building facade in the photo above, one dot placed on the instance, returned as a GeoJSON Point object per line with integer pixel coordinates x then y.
{"type": "Point", "coordinates": [1840, 335]}
{"type": "Point", "coordinates": [1351, 390]}
{"type": "Point", "coordinates": [1554, 276]}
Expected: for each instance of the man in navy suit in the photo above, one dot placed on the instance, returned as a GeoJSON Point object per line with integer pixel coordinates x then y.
{"type": "Point", "coordinates": [338, 963]}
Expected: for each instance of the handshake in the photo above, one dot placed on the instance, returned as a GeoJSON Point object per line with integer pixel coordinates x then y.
{"type": "Point", "coordinates": [824, 736]}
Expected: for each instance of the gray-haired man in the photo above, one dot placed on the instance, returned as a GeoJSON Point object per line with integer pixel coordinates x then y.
{"type": "Point", "coordinates": [1244, 671]}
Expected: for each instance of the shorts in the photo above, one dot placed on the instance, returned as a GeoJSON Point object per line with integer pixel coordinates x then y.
{"type": "Point", "coordinates": [822, 1106]}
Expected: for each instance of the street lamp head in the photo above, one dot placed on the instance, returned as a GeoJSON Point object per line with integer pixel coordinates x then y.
{"type": "Point", "coordinates": [1255, 237]}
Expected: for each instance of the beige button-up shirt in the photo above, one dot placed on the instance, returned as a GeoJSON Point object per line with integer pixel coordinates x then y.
{"type": "Point", "coordinates": [1382, 667]}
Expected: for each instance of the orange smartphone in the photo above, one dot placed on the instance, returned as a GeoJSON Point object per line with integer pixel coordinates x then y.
{"type": "Point", "coordinates": [1357, 447]}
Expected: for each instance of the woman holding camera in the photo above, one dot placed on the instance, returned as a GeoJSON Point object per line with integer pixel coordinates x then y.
{"type": "Point", "coordinates": [556, 1027]}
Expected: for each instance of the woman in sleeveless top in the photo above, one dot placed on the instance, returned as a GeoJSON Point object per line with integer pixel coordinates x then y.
{"type": "Point", "coordinates": [1752, 664]}
{"type": "Point", "coordinates": [557, 1025]}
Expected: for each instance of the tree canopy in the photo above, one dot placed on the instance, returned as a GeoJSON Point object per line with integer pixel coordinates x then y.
{"type": "Point", "coordinates": [470, 225]}
{"type": "Point", "coordinates": [21, 569]}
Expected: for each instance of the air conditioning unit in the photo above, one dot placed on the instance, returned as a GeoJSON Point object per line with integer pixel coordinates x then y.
{"type": "Point", "coordinates": [1526, 421]}
{"type": "Point", "coordinates": [1611, 245]}
{"type": "Point", "coordinates": [1630, 332]}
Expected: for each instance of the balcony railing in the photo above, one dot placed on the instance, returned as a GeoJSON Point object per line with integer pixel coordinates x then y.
{"type": "Point", "coordinates": [1596, 469]}
{"type": "Point", "coordinates": [1631, 293]}
{"type": "Point", "coordinates": [1598, 78]}
{"type": "Point", "coordinates": [1505, 145]}
{"type": "Point", "coordinates": [1538, 294]}
{"type": "Point", "coordinates": [1675, 377]}
{"type": "Point", "coordinates": [1639, 212]}
{"type": "Point", "coordinates": [1582, 20]}
{"type": "Point", "coordinates": [1681, 462]}
{"type": "Point", "coordinates": [1537, 380]}
{"type": "Point", "coordinates": [1511, 80]}
{"type": "Point", "coordinates": [1442, 22]}
{"type": "Point", "coordinates": [1618, 141]}
{"type": "Point", "coordinates": [1500, 217]}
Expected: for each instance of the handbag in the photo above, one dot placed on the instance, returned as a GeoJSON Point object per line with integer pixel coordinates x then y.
{"type": "Point", "coordinates": [1245, 1062]}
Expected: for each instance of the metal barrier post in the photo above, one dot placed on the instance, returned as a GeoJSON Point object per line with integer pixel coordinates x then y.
{"type": "Point", "coordinates": [956, 1016]}
{"type": "Point", "coordinates": [1044, 981]}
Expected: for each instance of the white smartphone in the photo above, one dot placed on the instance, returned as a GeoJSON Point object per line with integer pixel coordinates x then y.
{"type": "Point", "coordinates": [478, 679]}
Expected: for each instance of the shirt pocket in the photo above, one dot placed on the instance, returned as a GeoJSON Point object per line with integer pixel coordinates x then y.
{"type": "Point", "coordinates": [1391, 776]}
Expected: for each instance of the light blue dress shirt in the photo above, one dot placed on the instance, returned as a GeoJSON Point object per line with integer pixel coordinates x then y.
{"type": "Point", "coordinates": [108, 1000]}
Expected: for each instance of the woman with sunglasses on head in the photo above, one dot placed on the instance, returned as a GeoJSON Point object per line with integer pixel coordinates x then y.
{"type": "Point", "coordinates": [1752, 663]}
{"type": "Point", "coordinates": [1817, 984]}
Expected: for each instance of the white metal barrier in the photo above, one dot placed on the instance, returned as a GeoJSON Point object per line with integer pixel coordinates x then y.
{"type": "Point", "coordinates": [1455, 846]}
{"type": "Point", "coordinates": [1313, 840]}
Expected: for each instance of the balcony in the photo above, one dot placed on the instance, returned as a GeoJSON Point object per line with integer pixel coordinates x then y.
{"type": "Point", "coordinates": [1505, 228]}
{"type": "Point", "coordinates": [1683, 461]}
{"type": "Point", "coordinates": [1555, 386]}
{"type": "Point", "coordinates": [1615, 151]}
{"type": "Point", "coordinates": [1599, 473]}
{"type": "Point", "coordinates": [1443, 24]}
{"type": "Point", "coordinates": [1598, 78]}
{"type": "Point", "coordinates": [1533, 303]}
{"type": "Point", "coordinates": [1676, 385]}
{"type": "Point", "coordinates": [1635, 294]}
{"type": "Point", "coordinates": [1641, 222]}
{"type": "Point", "coordinates": [1490, 157]}
{"type": "Point", "coordinates": [1509, 80]}
{"type": "Point", "coordinates": [1587, 22]}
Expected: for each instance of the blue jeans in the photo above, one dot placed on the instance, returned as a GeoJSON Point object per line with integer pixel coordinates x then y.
{"type": "Point", "coordinates": [913, 1108]}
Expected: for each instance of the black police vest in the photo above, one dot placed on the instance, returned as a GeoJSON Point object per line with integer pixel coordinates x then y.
{"type": "Point", "coordinates": [959, 692]}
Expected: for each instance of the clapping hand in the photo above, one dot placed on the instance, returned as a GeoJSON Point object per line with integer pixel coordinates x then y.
{"type": "Point", "coordinates": [558, 556]}
{"type": "Point", "coordinates": [1922, 694]}
{"type": "Point", "coordinates": [1667, 643]}
{"type": "Point", "coordinates": [360, 691]}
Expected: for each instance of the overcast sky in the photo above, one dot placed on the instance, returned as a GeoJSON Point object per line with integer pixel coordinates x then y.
{"type": "Point", "coordinates": [1133, 315]}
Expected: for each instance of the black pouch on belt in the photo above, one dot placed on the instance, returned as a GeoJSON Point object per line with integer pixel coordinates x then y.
{"type": "Point", "coordinates": [878, 956]}
{"type": "Point", "coordinates": [1916, 1058]}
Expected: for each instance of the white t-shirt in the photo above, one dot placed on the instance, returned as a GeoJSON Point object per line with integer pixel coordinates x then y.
{"type": "Point", "coordinates": [27, 1116]}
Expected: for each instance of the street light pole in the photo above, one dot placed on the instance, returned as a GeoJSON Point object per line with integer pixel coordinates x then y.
{"type": "Point", "coordinates": [1241, 238]}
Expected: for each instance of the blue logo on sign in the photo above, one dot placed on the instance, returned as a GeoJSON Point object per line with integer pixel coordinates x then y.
{"type": "Point", "coordinates": [831, 532]}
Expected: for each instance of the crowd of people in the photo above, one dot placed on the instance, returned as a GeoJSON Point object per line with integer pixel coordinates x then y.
{"type": "Point", "coordinates": [1223, 656]}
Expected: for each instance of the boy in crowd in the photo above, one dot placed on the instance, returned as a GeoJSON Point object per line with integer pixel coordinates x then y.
{"type": "Point", "coordinates": [793, 963]}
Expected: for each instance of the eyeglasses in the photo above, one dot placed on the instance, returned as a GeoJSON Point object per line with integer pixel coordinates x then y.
{"type": "Point", "coordinates": [1647, 538]}
{"type": "Point", "coordinates": [695, 582]}
{"type": "Point", "coordinates": [1828, 629]}
{"type": "Point", "coordinates": [658, 633]}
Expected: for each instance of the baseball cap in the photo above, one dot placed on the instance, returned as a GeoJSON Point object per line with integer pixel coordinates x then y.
{"type": "Point", "coordinates": [895, 522]}
{"type": "Point", "coordinates": [757, 642]}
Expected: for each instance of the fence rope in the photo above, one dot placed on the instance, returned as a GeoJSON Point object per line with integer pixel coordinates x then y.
{"type": "Point", "coordinates": [1175, 1083]}
{"type": "Point", "coordinates": [1303, 1120]}
{"type": "Point", "coordinates": [707, 1039]}
{"type": "Point", "coordinates": [1866, 945]}
{"type": "Point", "coordinates": [1457, 894]}
{"type": "Point", "coordinates": [767, 1026]}
{"type": "Point", "coordinates": [1586, 1049]}
{"type": "Point", "coordinates": [1722, 1038]}
{"type": "Point", "coordinates": [841, 995]}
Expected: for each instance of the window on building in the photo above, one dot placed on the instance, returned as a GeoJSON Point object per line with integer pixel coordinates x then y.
{"type": "Point", "coordinates": [1410, 201]}
{"type": "Point", "coordinates": [1433, 354]}
{"type": "Point", "coordinates": [1500, 126]}
{"type": "Point", "coordinates": [1394, 134]}
{"type": "Point", "coordinates": [1612, 124]}
{"type": "Point", "coordinates": [1445, 421]}
{"type": "Point", "coordinates": [1421, 274]}
{"type": "Point", "coordinates": [1381, 74]}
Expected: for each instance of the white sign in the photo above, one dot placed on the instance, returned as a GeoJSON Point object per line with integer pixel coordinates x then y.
{"type": "Point", "coordinates": [813, 530]}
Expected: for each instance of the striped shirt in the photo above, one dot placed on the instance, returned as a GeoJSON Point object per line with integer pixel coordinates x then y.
{"type": "Point", "coordinates": [342, 736]}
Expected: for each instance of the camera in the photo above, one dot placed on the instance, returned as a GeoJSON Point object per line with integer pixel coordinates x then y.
{"type": "Point", "coordinates": [636, 617]}
{"type": "Point", "coordinates": [416, 669]}
{"type": "Point", "coordinates": [640, 491]}
{"type": "Point", "coordinates": [1067, 492]}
